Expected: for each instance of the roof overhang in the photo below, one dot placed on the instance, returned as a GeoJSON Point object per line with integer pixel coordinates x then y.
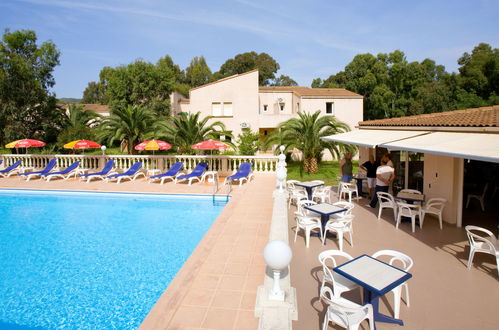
{"type": "Point", "coordinates": [372, 137]}
{"type": "Point", "coordinates": [476, 146]}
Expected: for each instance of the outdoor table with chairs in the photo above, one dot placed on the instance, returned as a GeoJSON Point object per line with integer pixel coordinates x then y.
{"type": "Point", "coordinates": [309, 185]}
{"type": "Point", "coordinates": [377, 278]}
{"type": "Point", "coordinates": [325, 210]}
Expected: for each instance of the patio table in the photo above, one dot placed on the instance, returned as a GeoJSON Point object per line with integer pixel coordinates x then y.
{"type": "Point", "coordinates": [410, 197]}
{"type": "Point", "coordinates": [309, 185]}
{"type": "Point", "coordinates": [325, 210]}
{"type": "Point", "coordinates": [377, 278]}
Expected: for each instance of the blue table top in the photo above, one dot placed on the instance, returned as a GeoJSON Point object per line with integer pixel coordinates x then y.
{"type": "Point", "coordinates": [373, 274]}
{"type": "Point", "coordinates": [308, 184]}
{"type": "Point", "coordinates": [325, 208]}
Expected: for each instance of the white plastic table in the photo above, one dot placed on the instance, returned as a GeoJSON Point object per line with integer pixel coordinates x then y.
{"type": "Point", "coordinates": [377, 278]}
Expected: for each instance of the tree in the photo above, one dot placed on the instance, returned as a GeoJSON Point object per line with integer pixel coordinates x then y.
{"type": "Point", "coordinates": [284, 80]}
{"type": "Point", "coordinates": [198, 73]}
{"type": "Point", "coordinates": [95, 93]}
{"type": "Point", "coordinates": [131, 124]}
{"type": "Point", "coordinates": [480, 71]}
{"type": "Point", "coordinates": [305, 134]}
{"type": "Point", "coordinates": [186, 130]}
{"type": "Point", "coordinates": [245, 62]}
{"type": "Point", "coordinates": [248, 142]}
{"type": "Point", "coordinates": [27, 107]}
{"type": "Point", "coordinates": [77, 116]}
{"type": "Point", "coordinates": [392, 86]}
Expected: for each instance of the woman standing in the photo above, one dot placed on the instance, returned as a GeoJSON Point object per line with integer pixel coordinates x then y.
{"type": "Point", "coordinates": [346, 168]}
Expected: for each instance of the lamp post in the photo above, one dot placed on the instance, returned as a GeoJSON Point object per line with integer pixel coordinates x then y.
{"type": "Point", "coordinates": [281, 171]}
{"type": "Point", "coordinates": [103, 148]}
{"type": "Point", "coordinates": [277, 255]}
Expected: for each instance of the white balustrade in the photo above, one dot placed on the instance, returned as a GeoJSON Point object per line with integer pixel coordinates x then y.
{"type": "Point", "coordinates": [224, 165]}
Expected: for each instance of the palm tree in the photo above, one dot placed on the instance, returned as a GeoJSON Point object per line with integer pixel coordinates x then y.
{"type": "Point", "coordinates": [131, 124]}
{"type": "Point", "coordinates": [305, 133]}
{"type": "Point", "coordinates": [188, 129]}
{"type": "Point", "coordinates": [77, 123]}
{"type": "Point", "coordinates": [76, 116]}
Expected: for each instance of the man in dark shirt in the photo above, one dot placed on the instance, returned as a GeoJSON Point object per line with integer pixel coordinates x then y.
{"type": "Point", "coordinates": [370, 167]}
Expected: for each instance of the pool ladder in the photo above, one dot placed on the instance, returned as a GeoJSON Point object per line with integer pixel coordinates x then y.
{"type": "Point", "coordinates": [221, 199]}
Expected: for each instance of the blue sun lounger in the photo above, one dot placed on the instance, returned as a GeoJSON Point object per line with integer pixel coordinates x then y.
{"type": "Point", "coordinates": [46, 170]}
{"type": "Point", "coordinates": [99, 175]}
{"type": "Point", "coordinates": [131, 174]}
{"type": "Point", "coordinates": [197, 173]}
{"type": "Point", "coordinates": [170, 174]}
{"type": "Point", "coordinates": [64, 174]}
{"type": "Point", "coordinates": [12, 169]}
{"type": "Point", "coordinates": [243, 173]}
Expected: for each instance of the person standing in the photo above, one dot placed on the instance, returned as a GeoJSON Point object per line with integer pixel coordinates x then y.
{"type": "Point", "coordinates": [384, 178]}
{"type": "Point", "coordinates": [346, 168]}
{"type": "Point", "coordinates": [370, 167]}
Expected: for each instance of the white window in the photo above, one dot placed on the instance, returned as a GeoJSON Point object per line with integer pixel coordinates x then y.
{"type": "Point", "coordinates": [227, 109]}
{"type": "Point", "coordinates": [216, 109]}
{"type": "Point", "coordinates": [265, 108]}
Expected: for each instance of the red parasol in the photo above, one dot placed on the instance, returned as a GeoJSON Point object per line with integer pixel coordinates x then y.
{"type": "Point", "coordinates": [81, 144]}
{"type": "Point", "coordinates": [25, 143]}
{"type": "Point", "coordinates": [153, 145]}
{"type": "Point", "coordinates": [210, 145]}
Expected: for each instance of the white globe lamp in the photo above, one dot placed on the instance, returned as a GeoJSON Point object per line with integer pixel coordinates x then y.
{"type": "Point", "coordinates": [277, 255]}
{"type": "Point", "coordinates": [103, 148]}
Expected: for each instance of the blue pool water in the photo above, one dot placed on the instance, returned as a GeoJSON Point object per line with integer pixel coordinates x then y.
{"type": "Point", "coordinates": [92, 260]}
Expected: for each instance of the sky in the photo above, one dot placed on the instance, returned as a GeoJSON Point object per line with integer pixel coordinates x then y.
{"type": "Point", "coordinates": [309, 39]}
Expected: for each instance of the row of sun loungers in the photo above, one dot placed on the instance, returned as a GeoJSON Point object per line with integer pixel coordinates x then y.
{"type": "Point", "coordinates": [107, 174]}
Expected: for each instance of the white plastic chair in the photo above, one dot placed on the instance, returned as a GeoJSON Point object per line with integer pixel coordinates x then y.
{"type": "Point", "coordinates": [346, 205]}
{"type": "Point", "coordinates": [297, 194]}
{"type": "Point", "coordinates": [410, 211]}
{"type": "Point", "coordinates": [340, 226]}
{"type": "Point", "coordinates": [344, 312]}
{"type": "Point", "coordinates": [301, 210]}
{"type": "Point", "coordinates": [323, 194]}
{"type": "Point", "coordinates": [433, 206]}
{"type": "Point", "coordinates": [482, 244]}
{"type": "Point", "coordinates": [329, 260]}
{"type": "Point", "coordinates": [480, 198]}
{"type": "Point", "coordinates": [404, 262]}
{"type": "Point", "coordinates": [386, 201]}
{"type": "Point", "coordinates": [347, 188]}
{"type": "Point", "coordinates": [307, 221]}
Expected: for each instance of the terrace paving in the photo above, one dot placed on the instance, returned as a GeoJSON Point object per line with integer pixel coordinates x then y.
{"type": "Point", "coordinates": [443, 293]}
{"type": "Point", "coordinates": [216, 287]}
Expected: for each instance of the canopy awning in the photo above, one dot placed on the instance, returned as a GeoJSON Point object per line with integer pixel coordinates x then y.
{"type": "Point", "coordinates": [372, 137]}
{"type": "Point", "coordinates": [477, 146]}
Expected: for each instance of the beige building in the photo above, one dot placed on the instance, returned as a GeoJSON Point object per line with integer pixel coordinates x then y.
{"type": "Point", "coordinates": [450, 155]}
{"type": "Point", "coordinates": [239, 102]}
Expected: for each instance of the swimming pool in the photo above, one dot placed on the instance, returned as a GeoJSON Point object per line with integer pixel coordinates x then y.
{"type": "Point", "coordinates": [93, 260]}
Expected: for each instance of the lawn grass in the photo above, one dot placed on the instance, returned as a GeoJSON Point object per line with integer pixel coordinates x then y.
{"type": "Point", "coordinates": [328, 172]}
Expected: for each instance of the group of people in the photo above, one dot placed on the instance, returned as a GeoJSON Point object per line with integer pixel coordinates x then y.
{"type": "Point", "coordinates": [380, 175]}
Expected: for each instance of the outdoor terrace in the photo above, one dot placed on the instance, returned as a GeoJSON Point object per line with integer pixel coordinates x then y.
{"type": "Point", "coordinates": [443, 293]}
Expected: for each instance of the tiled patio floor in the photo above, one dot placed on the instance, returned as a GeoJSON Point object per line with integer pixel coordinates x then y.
{"type": "Point", "coordinates": [443, 293]}
{"type": "Point", "coordinates": [216, 288]}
